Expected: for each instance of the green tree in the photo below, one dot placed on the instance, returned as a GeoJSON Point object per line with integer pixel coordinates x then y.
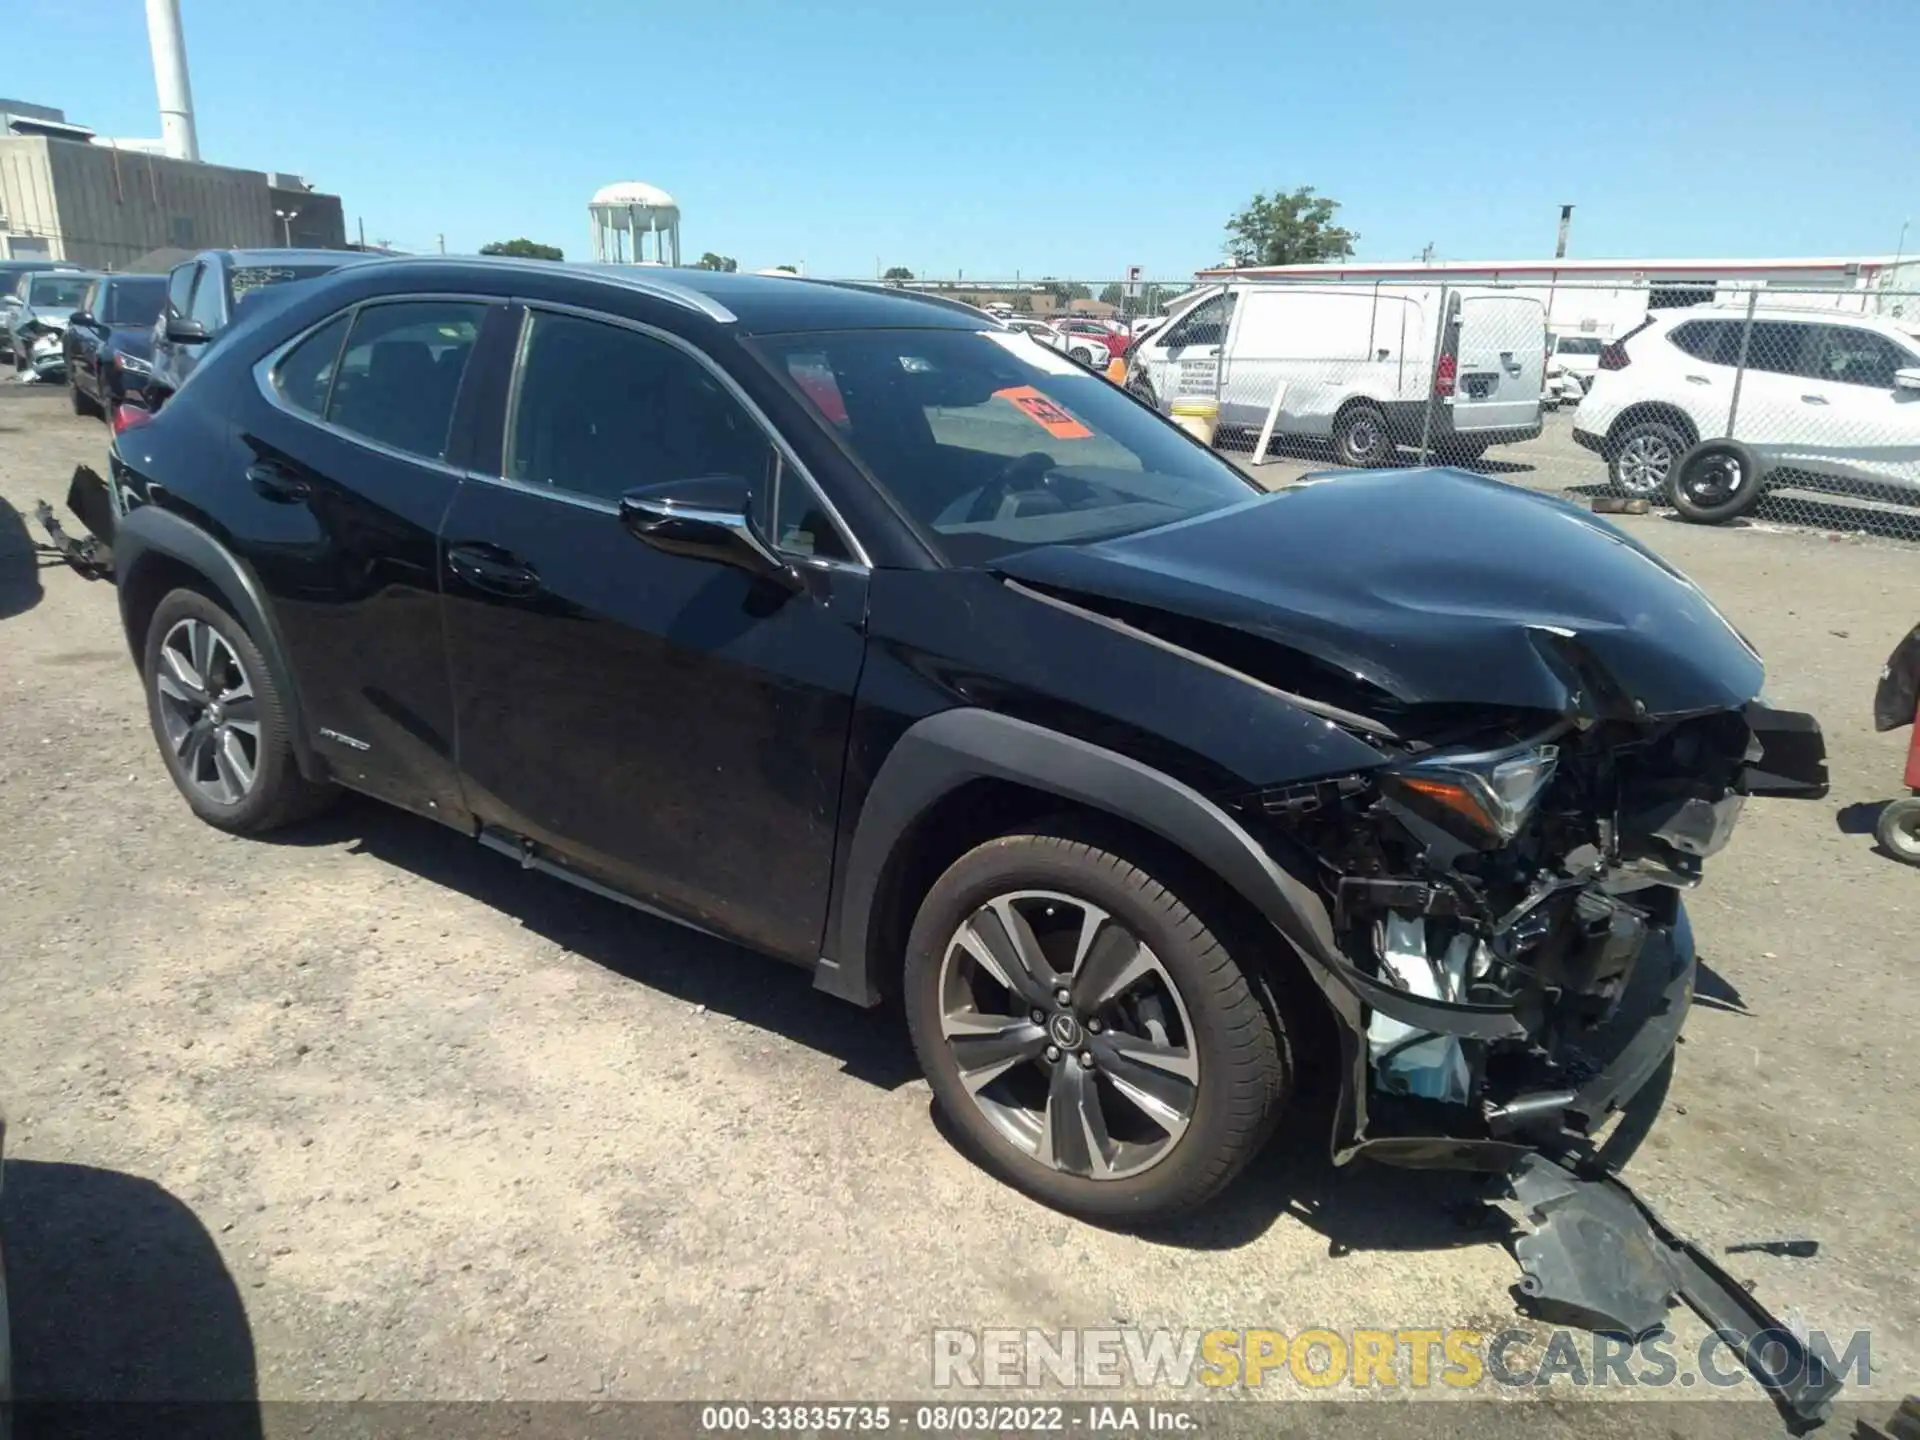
{"type": "Point", "coordinates": [790, 269]}
{"type": "Point", "coordinates": [1114, 295]}
{"type": "Point", "coordinates": [526, 249]}
{"type": "Point", "coordinates": [711, 261]}
{"type": "Point", "coordinates": [1283, 229]}
{"type": "Point", "coordinates": [897, 272]}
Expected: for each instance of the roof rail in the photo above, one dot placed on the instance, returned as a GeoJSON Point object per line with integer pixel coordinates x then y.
{"type": "Point", "coordinates": [684, 296]}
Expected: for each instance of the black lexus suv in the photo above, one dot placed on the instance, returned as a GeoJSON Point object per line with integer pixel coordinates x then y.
{"type": "Point", "coordinates": [845, 625]}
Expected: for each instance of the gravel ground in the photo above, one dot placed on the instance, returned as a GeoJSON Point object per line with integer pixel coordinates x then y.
{"type": "Point", "coordinates": [363, 1110]}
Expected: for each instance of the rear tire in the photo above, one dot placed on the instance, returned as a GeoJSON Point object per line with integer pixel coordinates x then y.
{"type": "Point", "coordinates": [1360, 437]}
{"type": "Point", "coordinates": [1643, 457]}
{"type": "Point", "coordinates": [208, 686]}
{"type": "Point", "coordinates": [1715, 481]}
{"type": "Point", "coordinates": [1068, 1128]}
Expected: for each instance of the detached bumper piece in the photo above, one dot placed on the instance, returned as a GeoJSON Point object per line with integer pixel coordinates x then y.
{"type": "Point", "coordinates": [89, 499]}
{"type": "Point", "coordinates": [1600, 1259]}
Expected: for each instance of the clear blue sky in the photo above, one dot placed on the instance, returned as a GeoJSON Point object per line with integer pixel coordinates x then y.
{"type": "Point", "coordinates": [1047, 136]}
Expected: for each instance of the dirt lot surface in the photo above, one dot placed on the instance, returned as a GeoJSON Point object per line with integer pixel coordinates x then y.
{"type": "Point", "coordinates": [363, 1110]}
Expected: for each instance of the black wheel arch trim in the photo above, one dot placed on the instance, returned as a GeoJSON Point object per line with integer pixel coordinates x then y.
{"type": "Point", "coordinates": [147, 530]}
{"type": "Point", "coordinates": [942, 752]}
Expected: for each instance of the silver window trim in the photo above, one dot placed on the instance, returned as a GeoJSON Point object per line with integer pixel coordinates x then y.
{"type": "Point", "coordinates": [862, 561]}
{"type": "Point", "coordinates": [685, 296]}
{"type": "Point", "coordinates": [269, 387]}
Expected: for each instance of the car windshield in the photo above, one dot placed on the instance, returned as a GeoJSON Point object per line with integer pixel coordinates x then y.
{"type": "Point", "coordinates": [134, 302]}
{"type": "Point", "coordinates": [993, 443]}
{"type": "Point", "coordinates": [248, 278]}
{"type": "Point", "coordinates": [58, 292]}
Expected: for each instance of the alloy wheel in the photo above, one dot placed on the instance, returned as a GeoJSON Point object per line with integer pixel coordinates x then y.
{"type": "Point", "coordinates": [1363, 437]}
{"type": "Point", "coordinates": [208, 711]}
{"type": "Point", "coordinates": [1643, 465]}
{"type": "Point", "coordinates": [1069, 1034]}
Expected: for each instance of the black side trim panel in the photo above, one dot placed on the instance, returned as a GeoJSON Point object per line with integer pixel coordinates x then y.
{"type": "Point", "coordinates": [944, 751]}
{"type": "Point", "coordinates": [148, 530]}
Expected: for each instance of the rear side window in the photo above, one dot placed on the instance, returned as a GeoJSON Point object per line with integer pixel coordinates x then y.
{"type": "Point", "coordinates": [400, 373]}
{"type": "Point", "coordinates": [1777, 346]}
{"type": "Point", "coordinates": [305, 373]}
{"type": "Point", "coordinates": [1715, 341]}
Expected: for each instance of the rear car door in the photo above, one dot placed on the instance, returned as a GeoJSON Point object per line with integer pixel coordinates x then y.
{"type": "Point", "coordinates": [350, 455]}
{"type": "Point", "coordinates": [668, 726]}
{"type": "Point", "coordinates": [1500, 349]}
{"type": "Point", "coordinates": [1705, 367]}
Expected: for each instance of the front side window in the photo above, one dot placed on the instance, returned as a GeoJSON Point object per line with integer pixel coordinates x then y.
{"type": "Point", "coordinates": [599, 410]}
{"type": "Point", "coordinates": [992, 443]}
{"type": "Point", "coordinates": [399, 376]}
{"type": "Point", "coordinates": [180, 288]}
{"type": "Point", "coordinates": [206, 307]}
{"type": "Point", "coordinates": [1850, 356]}
{"type": "Point", "coordinates": [1205, 324]}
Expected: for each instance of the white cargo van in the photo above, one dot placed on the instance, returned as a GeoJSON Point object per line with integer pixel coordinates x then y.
{"type": "Point", "coordinates": [1359, 364]}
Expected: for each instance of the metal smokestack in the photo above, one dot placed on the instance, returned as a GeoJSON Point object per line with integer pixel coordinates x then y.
{"type": "Point", "coordinates": [1566, 223]}
{"type": "Point", "coordinates": [170, 79]}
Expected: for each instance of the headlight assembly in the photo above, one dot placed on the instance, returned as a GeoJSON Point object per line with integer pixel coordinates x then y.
{"type": "Point", "coordinates": [132, 364]}
{"type": "Point", "coordinates": [1482, 798]}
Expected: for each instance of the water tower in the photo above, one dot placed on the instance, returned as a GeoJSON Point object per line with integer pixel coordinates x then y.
{"type": "Point", "coordinates": [625, 216]}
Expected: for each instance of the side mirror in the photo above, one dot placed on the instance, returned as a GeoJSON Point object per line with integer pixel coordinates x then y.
{"type": "Point", "coordinates": [183, 331]}
{"type": "Point", "coordinates": [1907, 379]}
{"type": "Point", "coordinates": [82, 318]}
{"type": "Point", "coordinates": [704, 519]}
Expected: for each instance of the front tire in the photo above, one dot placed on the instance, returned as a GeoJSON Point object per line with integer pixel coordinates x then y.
{"type": "Point", "coordinates": [1089, 1034]}
{"type": "Point", "coordinates": [218, 716]}
{"type": "Point", "coordinates": [1360, 437]}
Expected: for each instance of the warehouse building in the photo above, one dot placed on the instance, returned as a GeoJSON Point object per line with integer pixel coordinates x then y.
{"type": "Point", "coordinates": [66, 195]}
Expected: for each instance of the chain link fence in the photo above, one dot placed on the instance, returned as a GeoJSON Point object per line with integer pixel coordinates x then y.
{"type": "Point", "coordinates": [1732, 403]}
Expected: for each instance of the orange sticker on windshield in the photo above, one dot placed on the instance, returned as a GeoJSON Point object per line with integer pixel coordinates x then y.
{"type": "Point", "coordinates": [1044, 413]}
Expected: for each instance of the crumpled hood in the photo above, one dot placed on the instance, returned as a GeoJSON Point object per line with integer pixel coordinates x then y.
{"type": "Point", "coordinates": [1436, 586]}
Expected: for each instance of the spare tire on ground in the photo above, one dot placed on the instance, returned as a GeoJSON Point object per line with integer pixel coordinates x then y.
{"type": "Point", "coordinates": [1716, 481]}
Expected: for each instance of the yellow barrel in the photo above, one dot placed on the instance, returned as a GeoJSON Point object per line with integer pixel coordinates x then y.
{"type": "Point", "coordinates": [1198, 418]}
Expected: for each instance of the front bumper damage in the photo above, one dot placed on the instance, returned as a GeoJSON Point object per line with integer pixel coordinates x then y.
{"type": "Point", "coordinates": [90, 500]}
{"type": "Point", "coordinates": [1559, 985]}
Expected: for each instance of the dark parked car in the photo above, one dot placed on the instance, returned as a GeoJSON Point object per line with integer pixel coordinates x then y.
{"type": "Point", "coordinates": [202, 296]}
{"type": "Point", "coordinates": [829, 621]}
{"type": "Point", "coordinates": [109, 342]}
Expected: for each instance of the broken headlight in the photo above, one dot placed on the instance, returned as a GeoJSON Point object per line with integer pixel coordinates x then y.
{"type": "Point", "coordinates": [1481, 798]}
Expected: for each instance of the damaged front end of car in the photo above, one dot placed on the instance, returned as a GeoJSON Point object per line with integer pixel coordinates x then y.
{"type": "Point", "coordinates": [1507, 911]}
{"type": "Point", "coordinates": [1563, 733]}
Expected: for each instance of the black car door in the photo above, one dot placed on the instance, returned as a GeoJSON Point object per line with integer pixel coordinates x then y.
{"type": "Point", "coordinates": [345, 443]}
{"type": "Point", "coordinates": [671, 726]}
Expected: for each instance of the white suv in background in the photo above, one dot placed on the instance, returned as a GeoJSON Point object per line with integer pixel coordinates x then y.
{"type": "Point", "coordinates": [1825, 401]}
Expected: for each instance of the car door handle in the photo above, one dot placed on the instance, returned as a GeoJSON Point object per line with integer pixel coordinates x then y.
{"type": "Point", "coordinates": [1698, 380]}
{"type": "Point", "coordinates": [1813, 399]}
{"type": "Point", "coordinates": [488, 567]}
{"type": "Point", "coordinates": [276, 482]}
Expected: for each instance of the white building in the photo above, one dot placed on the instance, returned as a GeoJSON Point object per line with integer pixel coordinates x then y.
{"type": "Point", "coordinates": [1609, 297]}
